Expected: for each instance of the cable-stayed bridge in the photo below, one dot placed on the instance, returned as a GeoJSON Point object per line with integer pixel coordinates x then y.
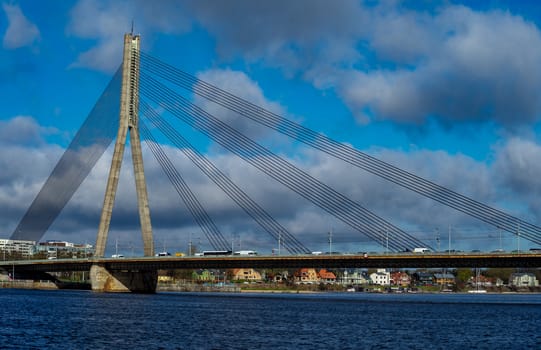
{"type": "Point", "coordinates": [143, 93]}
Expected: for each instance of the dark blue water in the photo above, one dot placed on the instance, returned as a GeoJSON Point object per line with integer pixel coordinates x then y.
{"type": "Point", "coordinates": [85, 320]}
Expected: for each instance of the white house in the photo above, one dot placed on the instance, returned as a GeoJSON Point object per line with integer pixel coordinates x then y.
{"type": "Point", "coordinates": [381, 277]}
{"type": "Point", "coordinates": [353, 277]}
{"type": "Point", "coordinates": [523, 279]}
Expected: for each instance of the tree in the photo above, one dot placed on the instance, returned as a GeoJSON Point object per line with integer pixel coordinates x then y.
{"type": "Point", "coordinates": [463, 275]}
{"type": "Point", "coordinates": [501, 273]}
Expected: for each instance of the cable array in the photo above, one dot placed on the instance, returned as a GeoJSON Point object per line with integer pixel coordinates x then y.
{"type": "Point", "coordinates": [284, 172]}
{"type": "Point", "coordinates": [277, 231]}
{"type": "Point", "coordinates": [344, 152]}
{"type": "Point", "coordinates": [200, 215]}
{"type": "Point", "coordinates": [88, 145]}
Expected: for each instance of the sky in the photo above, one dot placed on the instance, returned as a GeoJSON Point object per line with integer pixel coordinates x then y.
{"type": "Point", "coordinates": [448, 90]}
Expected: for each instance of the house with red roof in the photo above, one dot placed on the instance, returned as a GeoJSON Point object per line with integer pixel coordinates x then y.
{"type": "Point", "coordinates": [326, 277]}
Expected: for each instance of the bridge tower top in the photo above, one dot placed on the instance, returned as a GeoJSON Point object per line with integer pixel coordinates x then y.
{"type": "Point", "coordinates": [129, 110]}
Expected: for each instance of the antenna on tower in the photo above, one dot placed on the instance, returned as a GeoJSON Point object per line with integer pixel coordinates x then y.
{"type": "Point", "coordinates": [132, 27]}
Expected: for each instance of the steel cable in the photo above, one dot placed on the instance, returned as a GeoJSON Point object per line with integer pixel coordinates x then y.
{"type": "Point", "coordinates": [344, 152]}
{"type": "Point", "coordinates": [359, 218]}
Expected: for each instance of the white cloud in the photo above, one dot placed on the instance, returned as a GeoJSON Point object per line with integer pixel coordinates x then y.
{"type": "Point", "coordinates": [518, 166]}
{"type": "Point", "coordinates": [23, 130]}
{"type": "Point", "coordinates": [20, 32]}
{"type": "Point", "coordinates": [238, 84]}
{"type": "Point", "coordinates": [105, 22]}
{"type": "Point", "coordinates": [507, 185]}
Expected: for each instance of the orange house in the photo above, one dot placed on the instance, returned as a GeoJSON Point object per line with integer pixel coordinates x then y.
{"type": "Point", "coordinates": [326, 276]}
{"type": "Point", "coordinates": [306, 276]}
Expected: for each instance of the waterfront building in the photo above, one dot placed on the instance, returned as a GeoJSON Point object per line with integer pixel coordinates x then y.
{"type": "Point", "coordinates": [306, 276]}
{"type": "Point", "coordinates": [401, 279]}
{"type": "Point", "coordinates": [249, 275]}
{"type": "Point", "coordinates": [326, 277]}
{"type": "Point", "coordinates": [444, 279]}
{"type": "Point", "coordinates": [13, 246]}
{"type": "Point", "coordinates": [481, 281]}
{"type": "Point", "coordinates": [165, 279]}
{"type": "Point", "coordinates": [381, 277]}
{"type": "Point", "coordinates": [54, 248]}
{"type": "Point", "coordinates": [523, 279]}
{"type": "Point", "coordinates": [423, 278]}
{"type": "Point", "coordinates": [353, 277]}
{"type": "Point", "coordinates": [277, 277]}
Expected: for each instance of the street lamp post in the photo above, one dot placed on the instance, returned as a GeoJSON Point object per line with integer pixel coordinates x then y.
{"type": "Point", "coordinates": [518, 237]}
{"type": "Point", "coordinates": [279, 241]}
{"type": "Point", "coordinates": [190, 245]}
{"type": "Point", "coordinates": [449, 239]}
{"type": "Point", "coordinates": [330, 242]}
{"type": "Point", "coordinates": [500, 232]}
{"type": "Point", "coordinates": [438, 238]}
{"type": "Point", "coordinates": [387, 238]}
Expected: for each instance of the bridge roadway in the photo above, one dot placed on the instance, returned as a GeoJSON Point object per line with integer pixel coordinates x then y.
{"type": "Point", "coordinates": [403, 260]}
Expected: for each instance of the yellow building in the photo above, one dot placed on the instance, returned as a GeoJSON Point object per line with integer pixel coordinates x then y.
{"type": "Point", "coordinates": [306, 276]}
{"type": "Point", "coordinates": [249, 275]}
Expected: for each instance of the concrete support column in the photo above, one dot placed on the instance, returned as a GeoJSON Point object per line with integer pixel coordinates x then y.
{"type": "Point", "coordinates": [129, 110]}
{"type": "Point", "coordinates": [125, 281]}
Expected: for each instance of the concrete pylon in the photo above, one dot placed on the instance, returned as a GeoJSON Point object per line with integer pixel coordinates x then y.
{"type": "Point", "coordinates": [129, 109]}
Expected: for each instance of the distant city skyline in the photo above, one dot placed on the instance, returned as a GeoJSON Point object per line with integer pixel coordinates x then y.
{"type": "Point", "coordinates": [448, 90]}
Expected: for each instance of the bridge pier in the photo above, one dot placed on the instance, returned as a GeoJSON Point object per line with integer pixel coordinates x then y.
{"type": "Point", "coordinates": [124, 281]}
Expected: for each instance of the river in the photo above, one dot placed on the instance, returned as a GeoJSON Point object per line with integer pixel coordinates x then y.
{"type": "Point", "coordinates": [33, 319]}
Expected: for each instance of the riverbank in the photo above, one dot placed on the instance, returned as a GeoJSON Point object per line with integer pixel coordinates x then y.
{"type": "Point", "coordinates": [196, 288]}
{"type": "Point", "coordinates": [44, 285]}
{"type": "Point", "coordinates": [249, 288]}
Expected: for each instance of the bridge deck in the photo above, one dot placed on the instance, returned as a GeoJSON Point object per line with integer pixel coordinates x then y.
{"type": "Point", "coordinates": [530, 260]}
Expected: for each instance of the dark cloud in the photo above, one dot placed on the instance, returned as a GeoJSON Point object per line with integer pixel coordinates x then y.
{"type": "Point", "coordinates": [386, 61]}
{"type": "Point", "coordinates": [295, 34]}
{"type": "Point", "coordinates": [389, 62]}
{"type": "Point", "coordinates": [106, 22]}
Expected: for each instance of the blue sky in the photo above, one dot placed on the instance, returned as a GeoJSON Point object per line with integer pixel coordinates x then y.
{"type": "Point", "coordinates": [448, 90]}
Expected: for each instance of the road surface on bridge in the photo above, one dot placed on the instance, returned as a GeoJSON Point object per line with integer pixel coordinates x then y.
{"type": "Point", "coordinates": [394, 261]}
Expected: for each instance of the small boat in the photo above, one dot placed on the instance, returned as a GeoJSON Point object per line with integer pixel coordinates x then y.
{"type": "Point", "coordinates": [477, 291]}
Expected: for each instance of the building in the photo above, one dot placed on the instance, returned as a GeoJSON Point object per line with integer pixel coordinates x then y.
{"type": "Point", "coordinates": [165, 279]}
{"type": "Point", "coordinates": [248, 275]}
{"type": "Point", "coordinates": [17, 247]}
{"type": "Point", "coordinates": [381, 277]}
{"type": "Point", "coordinates": [353, 277]}
{"type": "Point", "coordinates": [277, 277]}
{"type": "Point", "coordinates": [444, 279]}
{"type": "Point", "coordinates": [401, 279]}
{"type": "Point", "coordinates": [523, 279]}
{"type": "Point", "coordinates": [482, 281]}
{"type": "Point", "coordinates": [326, 277]}
{"type": "Point", "coordinates": [423, 279]}
{"type": "Point", "coordinates": [306, 276]}
{"type": "Point", "coordinates": [54, 248]}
